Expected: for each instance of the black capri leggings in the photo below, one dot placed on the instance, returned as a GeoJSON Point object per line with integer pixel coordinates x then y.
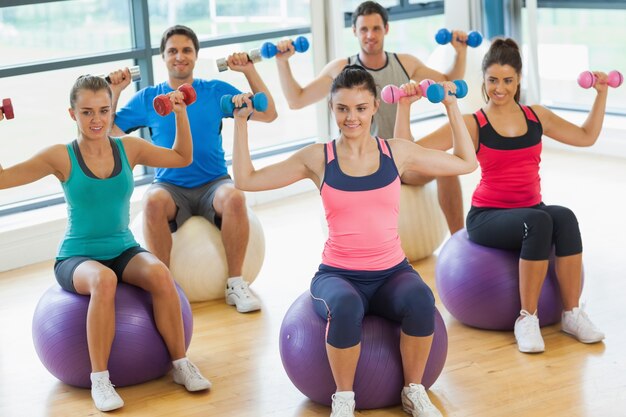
{"type": "Point", "coordinates": [533, 230]}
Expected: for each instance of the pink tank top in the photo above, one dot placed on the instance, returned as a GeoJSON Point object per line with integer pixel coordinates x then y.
{"type": "Point", "coordinates": [362, 214]}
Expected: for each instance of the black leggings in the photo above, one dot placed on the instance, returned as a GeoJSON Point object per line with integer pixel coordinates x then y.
{"type": "Point", "coordinates": [533, 230]}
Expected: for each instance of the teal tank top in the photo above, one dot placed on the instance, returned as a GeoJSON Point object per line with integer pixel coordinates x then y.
{"type": "Point", "coordinates": [98, 210]}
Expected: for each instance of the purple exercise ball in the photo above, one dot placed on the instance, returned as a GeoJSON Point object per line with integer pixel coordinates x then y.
{"type": "Point", "coordinates": [479, 285]}
{"type": "Point", "coordinates": [138, 353]}
{"type": "Point", "coordinates": [379, 377]}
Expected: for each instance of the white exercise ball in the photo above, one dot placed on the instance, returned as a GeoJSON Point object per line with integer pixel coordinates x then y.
{"type": "Point", "coordinates": [198, 259]}
{"type": "Point", "coordinates": [421, 224]}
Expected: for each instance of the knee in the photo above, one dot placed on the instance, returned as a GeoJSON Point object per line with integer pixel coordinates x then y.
{"type": "Point", "coordinates": [539, 224]}
{"type": "Point", "coordinates": [565, 217]}
{"type": "Point", "coordinates": [160, 280]}
{"type": "Point", "coordinates": [104, 285]}
{"type": "Point", "coordinates": [347, 309]}
{"type": "Point", "coordinates": [419, 301]}
{"type": "Point", "coordinates": [235, 202]}
{"type": "Point", "coordinates": [155, 205]}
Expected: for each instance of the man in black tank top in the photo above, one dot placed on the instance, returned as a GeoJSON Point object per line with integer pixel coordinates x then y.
{"type": "Point", "coordinates": [370, 25]}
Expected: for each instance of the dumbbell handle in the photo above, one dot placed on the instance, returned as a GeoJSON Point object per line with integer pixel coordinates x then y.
{"type": "Point", "coordinates": [391, 94]}
{"type": "Point", "coordinates": [435, 92]}
{"type": "Point", "coordinates": [269, 50]}
{"type": "Point", "coordinates": [7, 108]}
{"type": "Point", "coordinates": [259, 103]}
{"type": "Point", "coordinates": [135, 74]}
{"type": "Point", "coordinates": [444, 36]}
{"type": "Point", "coordinates": [254, 56]}
{"type": "Point", "coordinates": [588, 79]}
{"type": "Point", "coordinates": [163, 105]}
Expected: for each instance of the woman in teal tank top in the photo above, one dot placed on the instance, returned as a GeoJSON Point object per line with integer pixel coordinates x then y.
{"type": "Point", "coordinates": [98, 249]}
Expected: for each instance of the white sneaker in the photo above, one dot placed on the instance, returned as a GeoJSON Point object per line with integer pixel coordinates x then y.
{"type": "Point", "coordinates": [104, 396]}
{"type": "Point", "coordinates": [528, 334]}
{"type": "Point", "coordinates": [342, 407]}
{"type": "Point", "coordinates": [578, 324]}
{"type": "Point", "coordinates": [415, 402]}
{"type": "Point", "coordinates": [187, 374]}
{"type": "Point", "coordinates": [238, 294]}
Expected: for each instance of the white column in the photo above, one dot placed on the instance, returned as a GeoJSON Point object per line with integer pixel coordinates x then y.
{"type": "Point", "coordinates": [326, 26]}
{"type": "Point", "coordinates": [533, 89]}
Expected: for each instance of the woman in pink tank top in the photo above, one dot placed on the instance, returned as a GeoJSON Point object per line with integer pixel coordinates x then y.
{"type": "Point", "coordinates": [363, 270]}
{"type": "Point", "coordinates": [507, 207]}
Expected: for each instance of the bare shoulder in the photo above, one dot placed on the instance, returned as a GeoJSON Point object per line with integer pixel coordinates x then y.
{"type": "Point", "coordinates": [541, 111]}
{"type": "Point", "coordinates": [132, 141]}
{"type": "Point", "coordinates": [399, 146]}
{"type": "Point", "coordinates": [410, 62]}
{"type": "Point", "coordinates": [54, 153]}
{"type": "Point", "coordinates": [313, 152]}
{"type": "Point", "coordinates": [313, 155]}
{"type": "Point", "coordinates": [334, 67]}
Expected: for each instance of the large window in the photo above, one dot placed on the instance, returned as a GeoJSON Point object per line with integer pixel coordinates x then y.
{"type": "Point", "coordinates": [45, 45]}
{"type": "Point", "coordinates": [214, 18]}
{"type": "Point", "coordinates": [64, 29]}
{"type": "Point", "coordinates": [572, 40]}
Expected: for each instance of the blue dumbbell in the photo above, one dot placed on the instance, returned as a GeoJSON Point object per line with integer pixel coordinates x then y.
{"type": "Point", "coordinates": [259, 103]}
{"type": "Point", "coordinates": [444, 36]}
{"type": "Point", "coordinates": [435, 92]}
{"type": "Point", "coordinates": [269, 50]}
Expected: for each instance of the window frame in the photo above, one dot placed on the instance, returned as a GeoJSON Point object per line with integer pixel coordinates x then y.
{"type": "Point", "coordinates": [142, 52]}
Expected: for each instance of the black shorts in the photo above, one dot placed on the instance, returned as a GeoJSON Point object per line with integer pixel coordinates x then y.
{"type": "Point", "coordinates": [64, 268]}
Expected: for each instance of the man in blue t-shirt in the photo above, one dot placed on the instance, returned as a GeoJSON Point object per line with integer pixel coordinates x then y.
{"type": "Point", "coordinates": [203, 188]}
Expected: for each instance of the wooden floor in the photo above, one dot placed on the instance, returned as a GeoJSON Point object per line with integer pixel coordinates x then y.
{"type": "Point", "coordinates": [484, 375]}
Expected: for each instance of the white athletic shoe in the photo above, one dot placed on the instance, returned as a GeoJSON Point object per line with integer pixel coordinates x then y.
{"type": "Point", "coordinates": [342, 407]}
{"type": "Point", "coordinates": [238, 294]}
{"type": "Point", "coordinates": [415, 402]}
{"type": "Point", "coordinates": [528, 334]}
{"type": "Point", "coordinates": [104, 396]}
{"type": "Point", "coordinates": [188, 374]}
{"type": "Point", "coordinates": [578, 324]}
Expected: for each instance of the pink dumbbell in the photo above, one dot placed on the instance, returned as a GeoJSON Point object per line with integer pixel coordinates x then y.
{"type": "Point", "coordinates": [587, 79]}
{"type": "Point", "coordinates": [391, 94]}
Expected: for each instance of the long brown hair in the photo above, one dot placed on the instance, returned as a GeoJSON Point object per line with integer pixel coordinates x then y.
{"type": "Point", "coordinates": [503, 51]}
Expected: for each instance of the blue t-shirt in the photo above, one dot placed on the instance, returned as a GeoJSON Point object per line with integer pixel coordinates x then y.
{"type": "Point", "coordinates": [205, 118]}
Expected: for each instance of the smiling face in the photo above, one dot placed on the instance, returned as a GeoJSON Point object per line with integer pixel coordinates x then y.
{"type": "Point", "coordinates": [501, 83]}
{"type": "Point", "coordinates": [353, 109]}
{"type": "Point", "coordinates": [92, 112]}
{"type": "Point", "coordinates": [370, 30]}
{"type": "Point", "coordinates": [180, 57]}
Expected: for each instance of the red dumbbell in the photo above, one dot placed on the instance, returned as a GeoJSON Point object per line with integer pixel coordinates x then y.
{"type": "Point", "coordinates": [391, 94]}
{"type": "Point", "coordinates": [7, 108]}
{"type": "Point", "coordinates": [163, 106]}
{"type": "Point", "coordinates": [587, 79]}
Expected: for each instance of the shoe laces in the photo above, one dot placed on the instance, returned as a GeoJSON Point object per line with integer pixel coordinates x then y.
{"type": "Point", "coordinates": [190, 370]}
{"type": "Point", "coordinates": [528, 321]}
{"type": "Point", "coordinates": [581, 317]}
{"type": "Point", "coordinates": [419, 398]}
{"type": "Point", "coordinates": [342, 407]}
{"type": "Point", "coordinates": [243, 288]}
{"type": "Point", "coordinates": [104, 388]}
